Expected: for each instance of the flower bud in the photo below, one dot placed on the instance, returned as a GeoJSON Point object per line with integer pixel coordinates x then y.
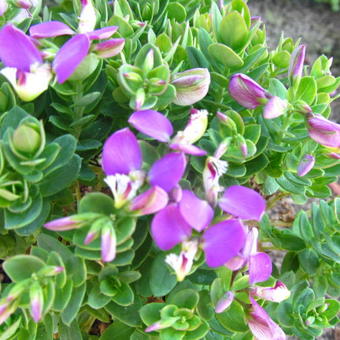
{"type": "Point", "coordinates": [277, 293]}
{"type": "Point", "coordinates": [224, 302]}
{"type": "Point", "coordinates": [26, 139]}
{"type": "Point", "coordinates": [323, 131]}
{"type": "Point", "coordinates": [6, 309]}
{"type": "Point", "coordinates": [302, 107]}
{"type": "Point", "coordinates": [70, 222]}
{"type": "Point", "coordinates": [306, 165]}
{"type": "Point", "coordinates": [191, 86]}
{"type": "Point", "coordinates": [225, 120]}
{"type": "Point", "coordinates": [109, 48]}
{"type": "Point", "coordinates": [246, 91]}
{"type": "Point", "coordinates": [241, 142]}
{"type": "Point", "coordinates": [108, 243]}
{"type": "Point", "coordinates": [25, 4]}
{"type": "Point", "coordinates": [87, 19]}
{"type": "Point", "coordinates": [36, 301]}
{"type": "Point", "coordinates": [297, 60]}
{"type": "Point", "coordinates": [335, 155]}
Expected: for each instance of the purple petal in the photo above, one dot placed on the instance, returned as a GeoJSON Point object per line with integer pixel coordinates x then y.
{"type": "Point", "coordinates": [61, 224]}
{"type": "Point", "coordinates": [243, 202]}
{"type": "Point", "coordinates": [262, 326]}
{"type": "Point", "coordinates": [188, 149]}
{"type": "Point", "coordinates": [109, 48]}
{"type": "Point", "coordinates": [306, 165]}
{"type": "Point", "coordinates": [198, 213]}
{"type": "Point", "coordinates": [168, 171]}
{"type": "Point", "coordinates": [169, 228]}
{"type": "Point", "coordinates": [152, 124]}
{"type": "Point", "coordinates": [260, 268]}
{"type": "Point", "coordinates": [50, 29]}
{"type": "Point", "coordinates": [36, 309]}
{"type": "Point", "coordinates": [223, 241]}
{"type": "Point", "coordinates": [330, 139]}
{"type": "Point", "coordinates": [102, 33]}
{"type": "Point", "coordinates": [235, 263]}
{"type": "Point", "coordinates": [246, 91]}
{"type": "Point", "coordinates": [121, 153]}
{"type": "Point", "coordinates": [71, 54]}
{"type": "Point", "coordinates": [150, 201]}
{"type": "Point", "coordinates": [17, 50]}
{"type": "Point", "coordinates": [275, 107]}
{"type": "Point", "coordinates": [323, 124]}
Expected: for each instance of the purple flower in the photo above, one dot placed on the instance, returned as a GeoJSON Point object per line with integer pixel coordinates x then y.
{"type": "Point", "coordinates": [259, 264]}
{"type": "Point", "coordinates": [246, 91]}
{"type": "Point", "coordinates": [250, 94]}
{"type": "Point", "coordinates": [25, 70]}
{"type": "Point", "coordinates": [169, 228]}
{"type": "Point", "coordinates": [297, 60]}
{"type": "Point", "coordinates": [306, 165]}
{"type": "Point", "coordinates": [198, 213]}
{"type": "Point", "coordinates": [243, 202]}
{"type": "Point", "coordinates": [50, 29]}
{"type": "Point", "coordinates": [157, 126]}
{"type": "Point", "coordinates": [121, 153]}
{"type": "Point", "coordinates": [261, 325]}
{"type": "Point", "coordinates": [323, 131]}
{"type": "Point", "coordinates": [167, 171]}
{"type": "Point", "coordinates": [278, 293]}
{"type": "Point", "coordinates": [223, 241]}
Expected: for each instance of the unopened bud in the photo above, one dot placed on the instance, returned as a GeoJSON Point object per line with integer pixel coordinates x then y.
{"type": "Point", "coordinates": [88, 18]}
{"type": "Point", "coordinates": [297, 60]}
{"type": "Point", "coordinates": [27, 139]}
{"type": "Point", "coordinates": [109, 48]}
{"type": "Point", "coordinates": [306, 165]}
{"type": "Point", "coordinates": [36, 301]}
{"type": "Point", "coordinates": [224, 302]}
{"type": "Point", "coordinates": [191, 86]}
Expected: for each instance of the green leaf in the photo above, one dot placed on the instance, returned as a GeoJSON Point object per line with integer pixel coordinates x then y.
{"type": "Point", "coordinates": [176, 11]}
{"type": "Point", "coordinates": [205, 308]}
{"type": "Point", "coordinates": [162, 281]}
{"type": "Point", "coordinates": [61, 178]}
{"type": "Point", "coordinates": [63, 296]}
{"type": "Point", "coordinates": [21, 267]}
{"type": "Point", "coordinates": [87, 99]}
{"type": "Point", "coordinates": [307, 90]}
{"type": "Point", "coordinates": [225, 55]}
{"type": "Point", "coordinates": [11, 330]}
{"type": "Point", "coordinates": [96, 299]}
{"type": "Point", "coordinates": [185, 298]}
{"type": "Point", "coordinates": [117, 330]}
{"type": "Point", "coordinates": [128, 314]}
{"type": "Point", "coordinates": [276, 88]}
{"type": "Point", "coordinates": [234, 31]}
{"type": "Point", "coordinates": [73, 306]}
{"type": "Point", "coordinates": [233, 318]}
{"type": "Point", "coordinates": [124, 295]}
{"type": "Point", "coordinates": [309, 261]}
{"type": "Point", "coordinates": [196, 58]}
{"type": "Point", "coordinates": [150, 313]}
{"type": "Point", "coordinates": [71, 332]}
{"type": "Point", "coordinates": [96, 202]}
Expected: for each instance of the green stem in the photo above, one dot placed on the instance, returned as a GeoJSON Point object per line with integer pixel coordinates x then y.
{"type": "Point", "coordinates": [78, 110]}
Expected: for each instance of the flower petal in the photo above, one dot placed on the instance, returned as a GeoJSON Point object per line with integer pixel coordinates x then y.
{"type": "Point", "coordinates": [152, 124]}
{"type": "Point", "coordinates": [223, 241]}
{"type": "Point", "coordinates": [71, 54]}
{"type": "Point", "coordinates": [17, 50]}
{"type": "Point", "coordinates": [198, 213]}
{"type": "Point", "coordinates": [243, 202]}
{"type": "Point", "coordinates": [275, 294]}
{"type": "Point", "coordinates": [275, 107]}
{"type": "Point", "coordinates": [50, 29]}
{"type": "Point", "coordinates": [150, 201]}
{"type": "Point", "coordinates": [246, 91]}
{"type": "Point", "coordinates": [188, 149]}
{"type": "Point", "coordinates": [168, 171]}
{"type": "Point", "coordinates": [121, 153]}
{"type": "Point", "coordinates": [168, 227]}
{"type": "Point", "coordinates": [108, 244]}
{"type": "Point", "coordinates": [109, 48]}
{"type": "Point", "coordinates": [102, 33]}
{"type": "Point", "coordinates": [260, 267]}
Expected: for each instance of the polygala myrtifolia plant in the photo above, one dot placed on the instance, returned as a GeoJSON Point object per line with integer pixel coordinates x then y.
{"type": "Point", "coordinates": [143, 146]}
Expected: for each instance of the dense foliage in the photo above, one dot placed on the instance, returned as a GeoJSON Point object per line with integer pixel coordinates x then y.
{"type": "Point", "coordinates": [144, 145]}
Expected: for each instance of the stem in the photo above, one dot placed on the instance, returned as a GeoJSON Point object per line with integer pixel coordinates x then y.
{"type": "Point", "coordinates": [79, 110]}
{"type": "Point", "coordinates": [271, 202]}
{"type": "Point", "coordinates": [211, 102]}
